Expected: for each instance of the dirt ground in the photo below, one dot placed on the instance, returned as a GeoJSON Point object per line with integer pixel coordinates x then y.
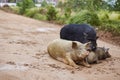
{"type": "Point", "coordinates": [23, 54]}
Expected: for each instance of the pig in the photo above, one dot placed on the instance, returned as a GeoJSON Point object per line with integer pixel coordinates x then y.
{"type": "Point", "coordinates": [69, 52]}
{"type": "Point", "coordinates": [80, 32]}
{"type": "Point", "coordinates": [92, 58]}
{"type": "Point", "coordinates": [103, 53]}
{"type": "Point", "coordinates": [100, 54]}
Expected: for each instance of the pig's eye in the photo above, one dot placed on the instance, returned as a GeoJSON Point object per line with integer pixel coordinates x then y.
{"type": "Point", "coordinates": [89, 50]}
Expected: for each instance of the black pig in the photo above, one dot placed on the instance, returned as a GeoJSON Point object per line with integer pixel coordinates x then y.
{"type": "Point", "coordinates": [80, 32]}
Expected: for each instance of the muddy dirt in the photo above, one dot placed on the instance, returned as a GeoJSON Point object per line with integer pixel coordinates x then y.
{"type": "Point", "coordinates": [23, 55]}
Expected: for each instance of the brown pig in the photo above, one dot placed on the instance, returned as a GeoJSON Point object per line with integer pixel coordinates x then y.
{"type": "Point", "coordinates": [69, 52]}
{"type": "Point", "coordinates": [99, 54]}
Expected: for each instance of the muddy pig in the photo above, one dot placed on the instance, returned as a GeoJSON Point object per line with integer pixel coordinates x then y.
{"type": "Point", "coordinates": [69, 52]}
{"type": "Point", "coordinates": [100, 54]}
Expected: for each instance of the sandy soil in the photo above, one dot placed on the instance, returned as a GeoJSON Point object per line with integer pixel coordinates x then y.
{"type": "Point", "coordinates": [23, 54]}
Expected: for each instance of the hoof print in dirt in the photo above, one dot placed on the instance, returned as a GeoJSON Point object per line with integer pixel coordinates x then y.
{"type": "Point", "coordinates": [26, 64]}
{"type": "Point", "coordinates": [11, 63]}
{"type": "Point", "coordinates": [73, 72]}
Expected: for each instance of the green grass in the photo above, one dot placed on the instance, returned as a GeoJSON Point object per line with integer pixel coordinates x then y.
{"type": "Point", "coordinates": [103, 19]}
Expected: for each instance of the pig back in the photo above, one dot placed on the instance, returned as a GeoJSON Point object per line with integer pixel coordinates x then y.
{"type": "Point", "coordinates": [92, 57]}
{"type": "Point", "coordinates": [79, 32]}
{"type": "Point", "coordinates": [59, 48]}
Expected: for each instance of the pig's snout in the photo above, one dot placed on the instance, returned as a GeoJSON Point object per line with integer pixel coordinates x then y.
{"type": "Point", "coordinates": [87, 53]}
{"type": "Point", "coordinates": [108, 55]}
{"type": "Point", "coordinates": [89, 49]}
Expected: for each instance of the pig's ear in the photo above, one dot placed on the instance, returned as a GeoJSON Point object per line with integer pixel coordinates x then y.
{"type": "Point", "coordinates": [107, 49]}
{"type": "Point", "coordinates": [97, 37]}
{"type": "Point", "coordinates": [87, 45]}
{"type": "Point", "coordinates": [74, 45]}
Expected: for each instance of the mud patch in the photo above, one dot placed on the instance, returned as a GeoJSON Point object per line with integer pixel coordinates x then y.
{"type": "Point", "coordinates": [45, 29]}
{"type": "Point", "coordinates": [23, 48]}
{"type": "Point", "coordinates": [8, 67]}
{"type": "Point", "coordinates": [23, 42]}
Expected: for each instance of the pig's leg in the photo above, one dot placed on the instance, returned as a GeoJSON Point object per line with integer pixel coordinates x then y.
{"type": "Point", "coordinates": [97, 62]}
{"type": "Point", "coordinates": [64, 60]}
{"type": "Point", "coordinates": [85, 64]}
{"type": "Point", "coordinates": [71, 62]}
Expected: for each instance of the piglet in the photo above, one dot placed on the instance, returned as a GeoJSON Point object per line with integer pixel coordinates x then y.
{"type": "Point", "coordinates": [99, 54]}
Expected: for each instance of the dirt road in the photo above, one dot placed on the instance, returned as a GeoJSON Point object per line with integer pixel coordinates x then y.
{"type": "Point", "coordinates": [23, 54]}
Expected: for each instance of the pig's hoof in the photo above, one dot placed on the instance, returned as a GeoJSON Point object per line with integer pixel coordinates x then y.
{"type": "Point", "coordinates": [88, 66]}
{"type": "Point", "coordinates": [76, 67]}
